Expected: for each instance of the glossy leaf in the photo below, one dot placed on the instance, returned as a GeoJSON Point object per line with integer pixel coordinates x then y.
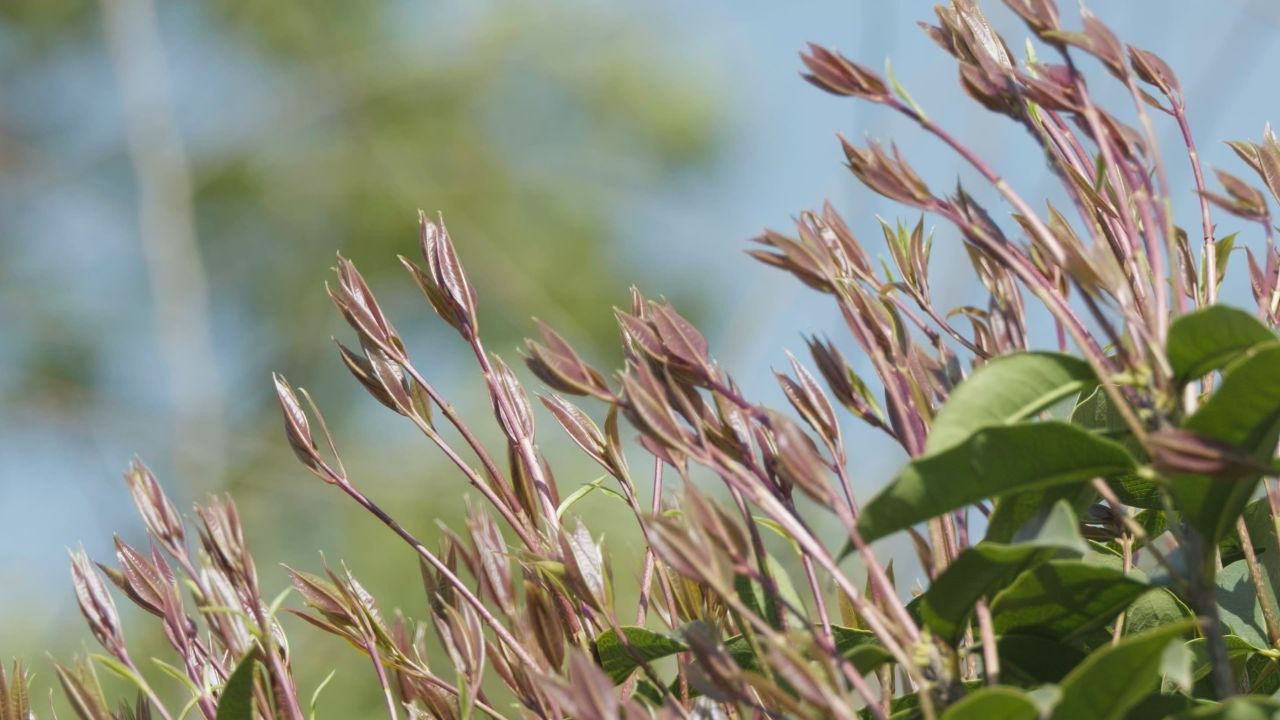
{"type": "Point", "coordinates": [1244, 413]}
{"type": "Point", "coordinates": [1064, 598]}
{"type": "Point", "coordinates": [981, 570]}
{"type": "Point", "coordinates": [861, 647]}
{"type": "Point", "coordinates": [1238, 602]}
{"type": "Point", "coordinates": [1005, 703]}
{"type": "Point", "coordinates": [992, 462]}
{"type": "Point", "coordinates": [1029, 660]}
{"type": "Point", "coordinates": [1236, 708]}
{"type": "Point", "coordinates": [1153, 609]}
{"type": "Point", "coordinates": [236, 700]}
{"type": "Point", "coordinates": [619, 659]}
{"type": "Point", "coordinates": [1116, 677]}
{"type": "Point", "coordinates": [1004, 391]}
{"type": "Point", "coordinates": [1210, 339]}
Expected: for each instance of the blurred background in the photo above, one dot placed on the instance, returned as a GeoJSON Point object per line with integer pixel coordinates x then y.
{"type": "Point", "coordinates": [176, 177]}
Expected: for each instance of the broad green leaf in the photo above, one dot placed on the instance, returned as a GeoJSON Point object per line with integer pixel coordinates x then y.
{"type": "Point", "coordinates": [1153, 609]}
{"type": "Point", "coordinates": [1136, 491]}
{"type": "Point", "coordinates": [1029, 660]}
{"type": "Point", "coordinates": [648, 693]}
{"type": "Point", "coordinates": [904, 707]}
{"type": "Point", "coordinates": [1244, 413]}
{"type": "Point", "coordinates": [1237, 650]}
{"type": "Point", "coordinates": [1176, 667]}
{"type": "Point", "coordinates": [1262, 531]}
{"type": "Point", "coordinates": [861, 647]}
{"type": "Point", "coordinates": [1210, 339]}
{"type": "Point", "coordinates": [1095, 411]}
{"type": "Point", "coordinates": [988, 566]}
{"type": "Point", "coordinates": [1159, 705]}
{"type": "Point", "coordinates": [1062, 599]}
{"type": "Point", "coordinates": [1005, 703]}
{"type": "Point", "coordinates": [1263, 673]}
{"type": "Point", "coordinates": [1116, 677]}
{"type": "Point", "coordinates": [236, 700]}
{"type": "Point", "coordinates": [1004, 391]}
{"type": "Point", "coordinates": [1245, 707]}
{"type": "Point", "coordinates": [619, 661]}
{"type": "Point", "coordinates": [1238, 602]}
{"type": "Point", "coordinates": [992, 462]}
{"type": "Point", "coordinates": [1012, 512]}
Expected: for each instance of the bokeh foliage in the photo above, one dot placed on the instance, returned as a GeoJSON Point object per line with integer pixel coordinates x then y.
{"type": "Point", "coordinates": [313, 127]}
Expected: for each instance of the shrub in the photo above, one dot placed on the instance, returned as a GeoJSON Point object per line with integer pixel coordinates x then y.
{"type": "Point", "coordinates": [1086, 520]}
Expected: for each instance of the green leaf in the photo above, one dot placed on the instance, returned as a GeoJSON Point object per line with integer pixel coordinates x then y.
{"type": "Point", "coordinates": [1210, 339]}
{"type": "Point", "coordinates": [991, 462]}
{"type": "Point", "coordinates": [1116, 677]}
{"type": "Point", "coordinates": [177, 674]}
{"type": "Point", "coordinates": [619, 661]}
{"type": "Point", "coordinates": [982, 569]}
{"type": "Point", "coordinates": [908, 706]}
{"type": "Point", "coordinates": [1237, 708]}
{"type": "Point", "coordinates": [1005, 703]}
{"type": "Point", "coordinates": [861, 647]}
{"type": "Point", "coordinates": [1238, 602]}
{"type": "Point", "coordinates": [1095, 411]}
{"type": "Point", "coordinates": [1157, 705]}
{"type": "Point", "coordinates": [1004, 391]}
{"type": "Point", "coordinates": [1062, 599]}
{"type": "Point", "coordinates": [572, 498]}
{"type": "Point", "coordinates": [1136, 491]}
{"type": "Point", "coordinates": [1237, 649]}
{"type": "Point", "coordinates": [1176, 667]}
{"type": "Point", "coordinates": [1013, 512]}
{"type": "Point", "coordinates": [121, 670]}
{"type": "Point", "coordinates": [1263, 672]}
{"type": "Point", "coordinates": [315, 695]}
{"type": "Point", "coordinates": [1262, 531]}
{"type": "Point", "coordinates": [236, 700]}
{"type": "Point", "coordinates": [1029, 660]}
{"type": "Point", "coordinates": [1153, 609]}
{"type": "Point", "coordinates": [649, 694]}
{"type": "Point", "coordinates": [752, 594]}
{"type": "Point", "coordinates": [1245, 413]}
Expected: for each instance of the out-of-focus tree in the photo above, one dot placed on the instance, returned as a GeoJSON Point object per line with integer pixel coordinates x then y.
{"type": "Point", "coordinates": [309, 128]}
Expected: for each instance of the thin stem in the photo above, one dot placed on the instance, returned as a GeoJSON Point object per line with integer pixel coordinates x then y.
{"type": "Point", "coordinates": [1138, 532]}
{"type": "Point", "coordinates": [646, 578]}
{"type": "Point", "coordinates": [506, 509]}
{"type": "Point", "coordinates": [123, 655]}
{"type": "Point", "coordinates": [524, 443]}
{"type": "Point", "coordinates": [1265, 597]}
{"type": "Point", "coordinates": [1126, 564]}
{"type": "Point", "coordinates": [1206, 220]}
{"type": "Point", "coordinates": [288, 694]}
{"type": "Point", "coordinates": [990, 654]}
{"type": "Point", "coordinates": [483, 612]}
{"type": "Point", "coordinates": [372, 649]}
{"type": "Point", "coordinates": [490, 467]}
{"type": "Point", "coordinates": [1205, 603]}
